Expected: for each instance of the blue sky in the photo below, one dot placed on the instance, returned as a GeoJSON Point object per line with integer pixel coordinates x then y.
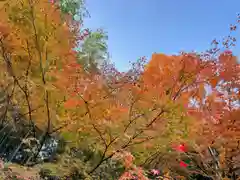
{"type": "Point", "coordinates": [140, 28]}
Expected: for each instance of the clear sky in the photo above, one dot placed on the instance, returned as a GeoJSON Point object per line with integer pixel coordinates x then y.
{"type": "Point", "coordinates": [141, 27]}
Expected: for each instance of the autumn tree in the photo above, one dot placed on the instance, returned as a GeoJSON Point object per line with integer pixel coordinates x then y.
{"type": "Point", "coordinates": [216, 127]}
{"type": "Point", "coordinates": [144, 115]}
{"type": "Point", "coordinates": [32, 48]}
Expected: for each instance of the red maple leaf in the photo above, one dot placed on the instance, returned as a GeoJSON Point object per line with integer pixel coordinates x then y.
{"type": "Point", "coordinates": [181, 148]}
{"type": "Point", "coordinates": [183, 164]}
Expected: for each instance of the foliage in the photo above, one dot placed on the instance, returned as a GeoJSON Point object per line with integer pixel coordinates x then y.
{"type": "Point", "coordinates": [31, 39]}
{"type": "Point", "coordinates": [93, 51]}
{"type": "Point", "coordinates": [76, 8]}
{"type": "Point", "coordinates": [174, 116]}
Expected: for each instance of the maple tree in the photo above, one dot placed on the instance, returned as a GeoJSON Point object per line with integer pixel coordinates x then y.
{"type": "Point", "coordinates": [167, 96]}
{"type": "Point", "coordinates": [216, 130]}
{"type": "Point", "coordinates": [31, 48]}
{"type": "Point", "coordinates": [218, 113]}
{"type": "Point", "coordinates": [143, 103]}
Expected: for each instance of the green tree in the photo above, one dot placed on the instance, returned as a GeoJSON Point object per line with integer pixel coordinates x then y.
{"type": "Point", "coordinates": [93, 51]}
{"type": "Point", "coordinates": [76, 8]}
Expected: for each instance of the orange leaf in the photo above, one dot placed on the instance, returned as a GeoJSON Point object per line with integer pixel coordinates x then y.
{"type": "Point", "coordinates": [214, 82]}
{"type": "Point", "coordinates": [72, 103]}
